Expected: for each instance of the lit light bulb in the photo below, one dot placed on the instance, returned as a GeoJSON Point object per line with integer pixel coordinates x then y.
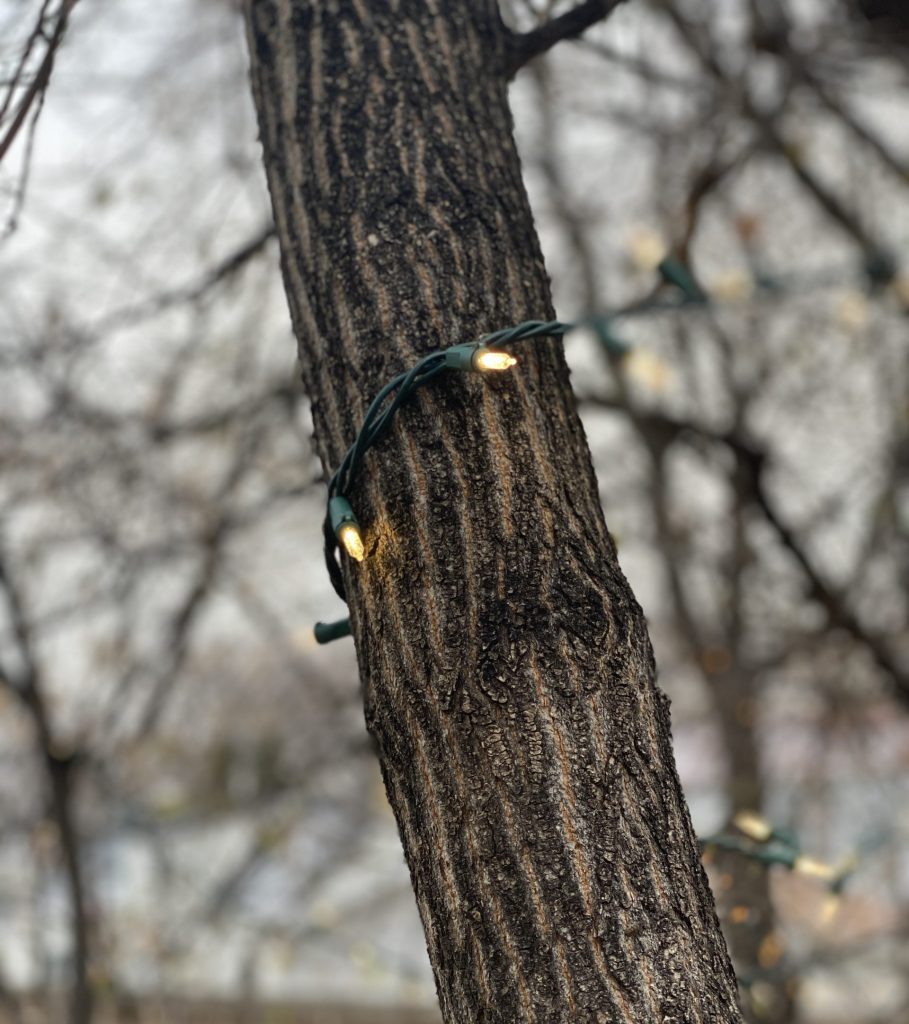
{"type": "Point", "coordinates": [349, 536]}
{"type": "Point", "coordinates": [753, 825]}
{"type": "Point", "coordinates": [814, 868]}
{"type": "Point", "coordinates": [346, 528]}
{"type": "Point", "coordinates": [488, 359]}
{"type": "Point", "coordinates": [853, 311]}
{"type": "Point", "coordinates": [829, 908]}
{"type": "Point", "coordinates": [732, 286]}
{"type": "Point", "coordinates": [646, 249]}
{"type": "Point", "coordinates": [648, 369]}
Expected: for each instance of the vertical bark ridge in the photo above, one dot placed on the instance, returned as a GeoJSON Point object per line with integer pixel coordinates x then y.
{"type": "Point", "coordinates": [474, 884]}
{"type": "Point", "coordinates": [508, 678]}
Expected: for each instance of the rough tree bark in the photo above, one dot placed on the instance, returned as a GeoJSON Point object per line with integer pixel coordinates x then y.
{"type": "Point", "coordinates": [506, 668]}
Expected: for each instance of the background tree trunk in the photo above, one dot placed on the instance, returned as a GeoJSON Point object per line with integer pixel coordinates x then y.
{"type": "Point", "coordinates": [507, 672]}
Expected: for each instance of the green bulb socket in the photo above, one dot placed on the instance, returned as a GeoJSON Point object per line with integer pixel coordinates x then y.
{"type": "Point", "coordinates": [325, 632]}
{"type": "Point", "coordinates": [340, 513]}
{"type": "Point", "coordinates": [676, 273]}
{"type": "Point", "coordinates": [880, 268]}
{"type": "Point", "coordinates": [460, 357]}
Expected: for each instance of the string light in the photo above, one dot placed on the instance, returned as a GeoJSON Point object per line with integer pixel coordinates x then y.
{"type": "Point", "coordinates": [487, 359]}
{"type": "Point", "coordinates": [753, 825]}
{"type": "Point", "coordinates": [346, 528]}
{"type": "Point", "coordinates": [814, 868]}
{"type": "Point", "coordinates": [486, 355]}
{"type": "Point", "coordinates": [349, 536]}
{"type": "Point", "coordinates": [676, 273]}
{"type": "Point", "coordinates": [325, 632]}
{"type": "Point", "coordinates": [648, 369]}
{"type": "Point", "coordinates": [732, 286]}
{"type": "Point", "coordinates": [476, 355]}
{"type": "Point", "coordinates": [770, 845]}
{"type": "Point", "coordinates": [646, 249]}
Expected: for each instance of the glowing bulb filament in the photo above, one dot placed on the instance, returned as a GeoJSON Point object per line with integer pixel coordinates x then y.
{"type": "Point", "coordinates": [349, 536]}
{"type": "Point", "coordinates": [488, 359]}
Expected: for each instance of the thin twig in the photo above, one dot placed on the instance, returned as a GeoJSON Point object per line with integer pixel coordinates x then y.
{"type": "Point", "coordinates": [39, 83]}
{"type": "Point", "coordinates": [13, 84]}
{"type": "Point", "coordinates": [767, 126]}
{"type": "Point", "coordinates": [221, 272]}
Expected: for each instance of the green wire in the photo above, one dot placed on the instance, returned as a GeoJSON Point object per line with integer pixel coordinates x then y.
{"type": "Point", "coordinates": [383, 407]}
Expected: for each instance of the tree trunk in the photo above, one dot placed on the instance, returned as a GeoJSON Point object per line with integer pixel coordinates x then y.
{"type": "Point", "coordinates": [61, 775]}
{"type": "Point", "coordinates": [744, 894]}
{"type": "Point", "coordinates": [506, 668]}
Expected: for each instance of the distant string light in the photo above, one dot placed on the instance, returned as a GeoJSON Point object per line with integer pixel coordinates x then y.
{"type": "Point", "coordinates": [754, 838]}
{"type": "Point", "coordinates": [759, 840]}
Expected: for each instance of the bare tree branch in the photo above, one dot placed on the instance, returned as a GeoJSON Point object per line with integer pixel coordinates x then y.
{"type": "Point", "coordinates": [752, 465]}
{"type": "Point", "coordinates": [772, 136]}
{"type": "Point", "coordinates": [13, 84]}
{"type": "Point", "coordinates": [35, 91]}
{"type": "Point", "coordinates": [59, 769]}
{"type": "Point", "coordinates": [524, 47]}
{"type": "Point", "coordinates": [222, 271]}
{"type": "Point", "coordinates": [839, 108]}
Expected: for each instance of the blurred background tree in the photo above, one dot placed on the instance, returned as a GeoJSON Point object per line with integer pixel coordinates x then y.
{"type": "Point", "coordinates": [189, 808]}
